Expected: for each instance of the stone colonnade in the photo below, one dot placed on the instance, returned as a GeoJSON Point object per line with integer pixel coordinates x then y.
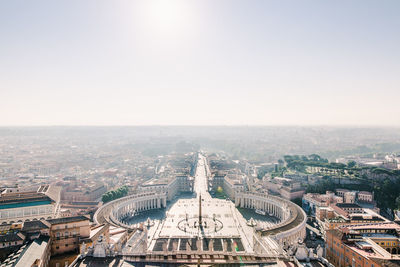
{"type": "Point", "coordinates": [113, 211]}
{"type": "Point", "coordinates": [139, 202]}
{"type": "Point", "coordinates": [272, 205]}
{"type": "Point", "coordinates": [288, 213]}
{"type": "Point", "coordinates": [293, 235]}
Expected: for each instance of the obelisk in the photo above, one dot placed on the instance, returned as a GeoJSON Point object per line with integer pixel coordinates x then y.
{"type": "Point", "coordinates": [200, 221]}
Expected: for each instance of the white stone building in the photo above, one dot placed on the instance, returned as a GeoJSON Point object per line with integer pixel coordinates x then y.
{"type": "Point", "coordinates": [28, 206]}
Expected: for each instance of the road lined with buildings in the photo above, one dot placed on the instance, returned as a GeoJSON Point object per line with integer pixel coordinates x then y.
{"type": "Point", "coordinates": [201, 178]}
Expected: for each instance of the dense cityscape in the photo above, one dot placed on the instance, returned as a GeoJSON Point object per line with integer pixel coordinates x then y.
{"type": "Point", "coordinates": [188, 133]}
{"type": "Point", "coordinates": [135, 196]}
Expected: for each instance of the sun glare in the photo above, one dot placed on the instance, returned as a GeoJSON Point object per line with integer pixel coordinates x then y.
{"type": "Point", "coordinates": [166, 15]}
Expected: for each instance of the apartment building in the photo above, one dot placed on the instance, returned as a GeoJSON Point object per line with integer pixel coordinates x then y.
{"type": "Point", "coordinates": [67, 232]}
{"type": "Point", "coordinates": [370, 245]}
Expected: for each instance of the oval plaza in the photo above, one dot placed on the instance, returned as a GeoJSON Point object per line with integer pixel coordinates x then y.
{"type": "Point", "coordinates": [181, 223]}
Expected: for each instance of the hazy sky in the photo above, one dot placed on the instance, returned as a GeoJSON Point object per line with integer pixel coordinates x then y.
{"type": "Point", "coordinates": [199, 62]}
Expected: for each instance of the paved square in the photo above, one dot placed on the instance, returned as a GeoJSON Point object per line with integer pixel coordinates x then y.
{"type": "Point", "coordinates": [220, 218]}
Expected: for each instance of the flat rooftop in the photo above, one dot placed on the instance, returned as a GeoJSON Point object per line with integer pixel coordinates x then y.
{"type": "Point", "coordinates": [23, 199]}
{"type": "Point", "coordinates": [68, 219]}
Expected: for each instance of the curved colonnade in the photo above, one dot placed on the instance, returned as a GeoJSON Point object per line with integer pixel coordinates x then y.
{"type": "Point", "coordinates": [292, 225]}
{"type": "Point", "coordinates": [113, 212]}
{"type": "Point", "coordinates": [290, 229]}
{"type": "Point", "coordinates": [274, 206]}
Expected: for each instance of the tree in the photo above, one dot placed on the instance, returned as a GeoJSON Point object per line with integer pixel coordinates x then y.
{"type": "Point", "coordinates": [105, 198]}
{"type": "Point", "coordinates": [115, 194]}
{"type": "Point", "coordinates": [287, 158]}
{"type": "Point", "coordinates": [315, 157]}
{"type": "Point", "coordinates": [351, 164]}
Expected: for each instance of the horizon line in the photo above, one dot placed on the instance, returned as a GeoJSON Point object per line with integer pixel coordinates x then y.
{"type": "Point", "coordinates": [205, 125]}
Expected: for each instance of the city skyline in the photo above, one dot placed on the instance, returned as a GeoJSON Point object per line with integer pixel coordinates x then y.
{"type": "Point", "coordinates": [199, 63]}
{"type": "Point", "coordinates": [199, 133]}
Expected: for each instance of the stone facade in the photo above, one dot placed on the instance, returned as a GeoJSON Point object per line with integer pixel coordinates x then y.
{"type": "Point", "coordinates": [292, 225]}
{"type": "Point", "coordinates": [66, 233]}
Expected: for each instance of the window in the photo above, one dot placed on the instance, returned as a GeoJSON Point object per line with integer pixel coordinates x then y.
{"type": "Point", "coordinates": [66, 245]}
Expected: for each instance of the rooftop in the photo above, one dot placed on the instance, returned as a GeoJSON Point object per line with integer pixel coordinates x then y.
{"type": "Point", "coordinates": [380, 235]}
{"type": "Point", "coordinates": [23, 199]}
{"type": "Point", "coordinates": [35, 225]}
{"type": "Point", "coordinates": [12, 237]}
{"type": "Point", "coordinates": [360, 217]}
{"type": "Point", "coordinates": [348, 205]}
{"type": "Point", "coordinates": [68, 219]}
{"type": "Point", "coordinates": [32, 252]}
{"type": "Point", "coordinates": [374, 226]}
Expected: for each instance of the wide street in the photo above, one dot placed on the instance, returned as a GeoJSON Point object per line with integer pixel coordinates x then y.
{"type": "Point", "coordinates": [201, 179]}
